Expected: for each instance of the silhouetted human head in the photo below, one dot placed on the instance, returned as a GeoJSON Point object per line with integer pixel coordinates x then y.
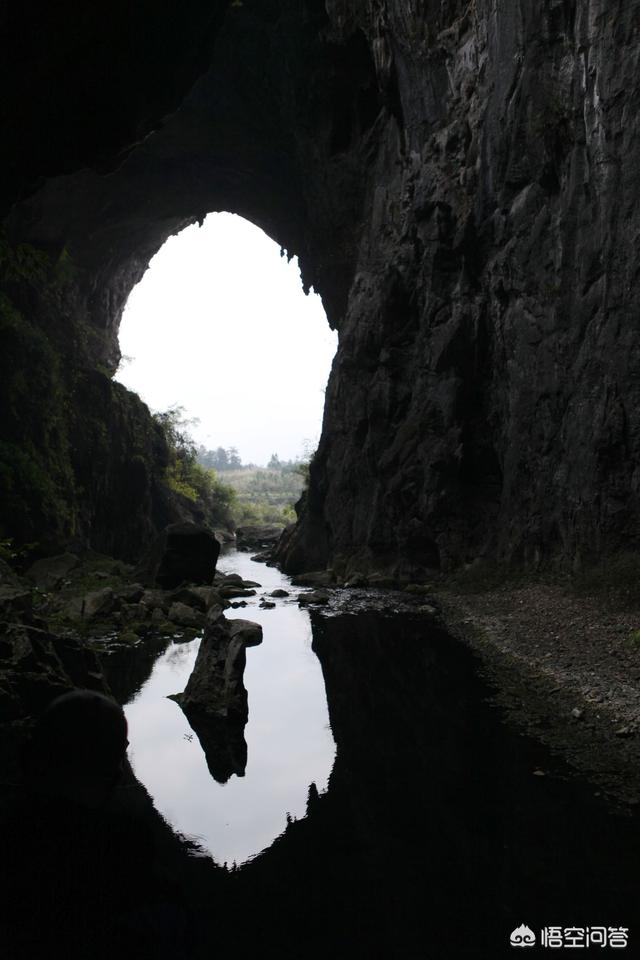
{"type": "Point", "coordinates": [78, 744]}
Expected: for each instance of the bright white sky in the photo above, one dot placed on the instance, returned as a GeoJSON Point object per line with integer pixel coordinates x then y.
{"type": "Point", "coordinates": [219, 325]}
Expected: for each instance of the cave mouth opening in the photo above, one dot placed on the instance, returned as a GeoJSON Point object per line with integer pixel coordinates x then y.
{"type": "Point", "coordinates": [220, 327]}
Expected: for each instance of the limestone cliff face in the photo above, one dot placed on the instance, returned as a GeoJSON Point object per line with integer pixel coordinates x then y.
{"type": "Point", "coordinates": [484, 400]}
{"type": "Point", "coordinates": [459, 182]}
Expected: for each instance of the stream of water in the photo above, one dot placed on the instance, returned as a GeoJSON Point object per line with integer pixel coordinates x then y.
{"type": "Point", "coordinates": [438, 829]}
{"type": "Point", "coordinates": [289, 740]}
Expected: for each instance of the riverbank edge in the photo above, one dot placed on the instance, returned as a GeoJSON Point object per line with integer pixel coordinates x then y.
{"type": "Point", "coordinates": [564, 671]}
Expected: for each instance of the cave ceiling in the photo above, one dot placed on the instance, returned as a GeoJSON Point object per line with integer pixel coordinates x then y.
{"type": "Point", "coordinates": [268, 131]}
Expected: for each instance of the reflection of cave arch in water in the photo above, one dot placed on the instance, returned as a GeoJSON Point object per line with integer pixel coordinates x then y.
{"type": "Point", "coordinates": [289, 741]}
{"type": "Point", "coordinates": [434, 839]}
{"type": "Point", "coordinates": [437, 837]}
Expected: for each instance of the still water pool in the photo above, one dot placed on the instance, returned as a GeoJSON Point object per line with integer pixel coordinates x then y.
{"type": "Point", "coordinates": [290, 744]}
{"type": "Point", "coordinates": [439, 830]}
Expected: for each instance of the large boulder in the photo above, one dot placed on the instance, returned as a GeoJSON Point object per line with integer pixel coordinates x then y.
{"type": "Point", "coordinates": [199, 597]}
{"type": "Point", "coordinates": [215, 699]}
{"type": "Point", "coordinates": [246, 632]}
{"type": "Point", "coordinates": [216, 686]}
{"type": "Point", "coordinates": [185, 616]}
{"type": "Point", "coordinates": [48, 573]}
{"type": "Point", "coordinates": [97, 603]}
{"type": "Point", "coordinates": [314, 597]}
{"type": "Point", "coordinates": [183, 553]}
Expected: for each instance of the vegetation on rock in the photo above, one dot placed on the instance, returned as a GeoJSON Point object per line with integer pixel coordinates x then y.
{"type": "Point", "coordinates": [187, 478]}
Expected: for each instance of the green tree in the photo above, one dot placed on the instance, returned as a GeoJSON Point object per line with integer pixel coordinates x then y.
{"type": "Point", "coordinates": [175, 427]}
{"type": "Point", "coordinates": [234, 459]}
{"type": "Point", "coordinates": [220, 459]}
{"type": "Point", "coordinates": [187, 477]}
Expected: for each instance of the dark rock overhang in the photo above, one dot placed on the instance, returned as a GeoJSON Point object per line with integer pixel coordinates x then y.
{"type": "Point", "coordinates": [460, 186]}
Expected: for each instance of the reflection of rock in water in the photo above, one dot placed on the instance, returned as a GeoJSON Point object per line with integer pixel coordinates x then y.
{"type": "Point", "coordinates": [222, 741]}
{"type": "Point", "coordinates": [127, 668]}
{"type": "Point", "coordinates": [434, 838]}
{"type": "Point", "coordinates": [457, 837]}
{"type": "Point", "coordinates": [215, 699]}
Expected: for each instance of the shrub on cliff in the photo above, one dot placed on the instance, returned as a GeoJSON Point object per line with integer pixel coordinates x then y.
{"type": "Point", "coordinates": [187, 478]}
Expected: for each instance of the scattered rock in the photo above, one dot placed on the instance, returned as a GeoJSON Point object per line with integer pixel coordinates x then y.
{"type": "Point", "coordinates": [231, 591]}
{"type": "Point", "coordinates": [428, 609]}
{"type": "Point", "coordinates": [48, 573]}
{"type": "Point", "coordinates": [316, 596]}
{"type": "Point", "coordinates": [624, 732]}
{"type": "Point", "coordinates": [315, 578]}
{"type": "Point", "coordinates": [40, 665]}
{"type": "Point", "coordinates": [163, 626]}
{"type": "Point", "coordinates": [224, 536]}
{"type": "Point", "coordinates": [381, 580]}
{"type": "Point", "coordinates": [418, 588]}
{"type": "Point", "coordinates": [239, 603]}
{"type": "Point", "coordinates": [190, 598]}
{"type": "Point", "coordinates": [155, 600]}
{"type": "Point", "coordinates": [131, 593]}
{"type": "Point", "coordinates": [267, 604]}
{"type": "Point", "coordinates": [185, 616]}
{"type": "Point", "coordinates": [248, 632]}
{"type": "Point", "coordinates": [234, 580]}
{"type": "Point", "coordinates": [577, 713]}
{"type": "Point", "coordinates": [279, 593]}
{"type": "Point", "coordinates": [134, 611]}
{"type": "Point", "coordinates": [97, 603]}
{"type": "Point", "coordinates": [256, 537]}
{"type": "Point", "coordinates": [209, 595]}
{"type": "Point", "coordinates": [356, 580]}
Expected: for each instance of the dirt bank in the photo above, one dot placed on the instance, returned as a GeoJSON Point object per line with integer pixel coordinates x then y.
{"type": "Point", "coordinates": [566, 669]}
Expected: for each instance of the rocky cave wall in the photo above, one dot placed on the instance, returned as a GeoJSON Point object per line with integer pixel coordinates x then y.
{"type": "Point", "coordinates": [459, 182]}
{"type": "Point", "coordinates": [484, 399]}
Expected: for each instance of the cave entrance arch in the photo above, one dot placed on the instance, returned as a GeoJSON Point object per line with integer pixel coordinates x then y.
{"type": "Point", "coordinates": [220, 326]}
{"type": "Point", "coordinates": [280, 128]}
